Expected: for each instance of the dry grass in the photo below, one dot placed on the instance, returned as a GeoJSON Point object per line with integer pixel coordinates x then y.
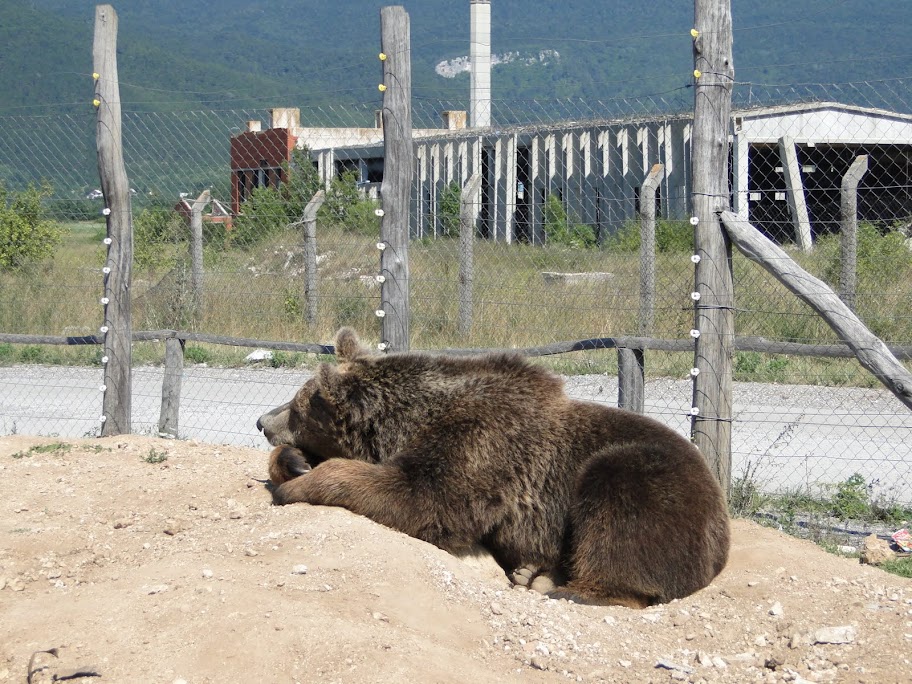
{"type": "Point", "coordinates": [259, 294]}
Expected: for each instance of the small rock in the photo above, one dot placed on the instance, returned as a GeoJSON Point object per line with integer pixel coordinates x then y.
{"type": "Point", "coordinates": [299, 570]}
{"type": "Point", "coordinates": [121, 523]}
{"type": "Point", "coordinates": [834, 635]}
{"type": "Point", "coordinates": [624, 663]}
{"type": "Point", "coordinates": [718, 663]}
{"type": "Point", "coordinates": [259, 355]}
{"type": "Point", "coordinates": [496, 608]}
{"type": "Point", "coordinates": [704, 659]}
{"type": "Point", "coordinates": [610, 620]}
{"type": "Point", "coordinates": [677, 667]}
{"type": "Point", "coordinates": [776, 609]}
{"type": "Point", "coordinates": [875, 550]}
{"type": "Point", "coordinates": [207, 573]}
{"type": "Point", "coordinates": [250, 552]}
{"type": "Point", "coordinates": [380, 616]}
{"type": "Point", "coordinates": [539, 662]}
{"type": "Point", "coordinates": [155, 589]}
{"type": "Point", "coordinates": [172, 527]}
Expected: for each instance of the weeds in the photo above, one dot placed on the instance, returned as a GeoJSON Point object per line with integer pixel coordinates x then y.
{"type": "Point", "coordinates": [155, 456]}
{"type": "Point", "coordinates": [56, 448]}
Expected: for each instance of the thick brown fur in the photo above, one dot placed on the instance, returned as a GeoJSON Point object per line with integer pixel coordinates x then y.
{"type": "Point", "coordinates": [489, 450]}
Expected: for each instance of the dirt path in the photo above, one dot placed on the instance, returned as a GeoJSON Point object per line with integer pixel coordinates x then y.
{"type": "Point", "coordinates": [182, 571]}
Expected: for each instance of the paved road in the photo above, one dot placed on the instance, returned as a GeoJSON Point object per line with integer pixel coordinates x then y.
{"type": "Point", "coordinates": [784, 436]}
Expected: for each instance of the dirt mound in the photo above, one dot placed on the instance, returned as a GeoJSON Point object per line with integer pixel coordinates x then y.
{"type": "Point", "coordinates": [145, 560]}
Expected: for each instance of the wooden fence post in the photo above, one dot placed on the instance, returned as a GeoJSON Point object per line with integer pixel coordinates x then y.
{"type": "Point", "coordinates": [171, 387]}
{"type": "Point", "coordinates": [713, 318]}
{"type": "Point", "coordinates": [397, 177]}
{"type": "Point", "coordinates": [848, 209]}
{"type": "Point", "coordinates": [116, 190]}
{"type": "Point", "coordinates": [469, 207]}
{"type": "Point", "coordinates": [631, 379]}
{"type": "Point", "coordinates": [310, 255]}
{"type": "Point", "coordinates": [648, 248]}
{"type": "Point", "coordinates": [795, 193]}
{"type": "Point", "coordinates": [196, 251]}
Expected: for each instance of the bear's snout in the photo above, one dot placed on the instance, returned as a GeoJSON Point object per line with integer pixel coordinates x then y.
{"type": "Point", "coordinates": [274, 425]}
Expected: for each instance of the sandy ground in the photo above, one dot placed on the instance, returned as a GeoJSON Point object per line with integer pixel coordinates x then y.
{"type": "Point", "coordinates": [182, 571]}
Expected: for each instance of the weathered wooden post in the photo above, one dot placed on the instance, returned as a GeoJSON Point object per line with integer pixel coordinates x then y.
{"type": "Point", "coordinates": [870, 350]}
{"type": "Point", "coordinates": [196, 251]}
{"type": "Point", "coordinates": [171, 387]}
{"type": "Point", "coordinates": [848, 209]}
{"type": "Point", "coordinates": [631, 379]}
{"type": "Point", "coordinates": [713, 290]}
{"type": "Point", "coordinates": [397, 177]}
{"type": "Point", "coordinates": [310, 255]}
{"type": "Point", "coordinates": [648, 248]}
{"type": "Point", "coordinates": [795, 193]}
{"type": "Point", "coordinates": [469, 207]}
{"type": "Point", "coordinates": [115, 187]}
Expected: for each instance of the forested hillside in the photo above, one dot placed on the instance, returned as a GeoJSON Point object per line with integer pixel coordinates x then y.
{"type": "Point", "coordinates": [242, 53]}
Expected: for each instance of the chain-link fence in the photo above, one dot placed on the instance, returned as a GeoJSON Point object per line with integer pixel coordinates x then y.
{"type": "Point", "coordinates": [556, 194]}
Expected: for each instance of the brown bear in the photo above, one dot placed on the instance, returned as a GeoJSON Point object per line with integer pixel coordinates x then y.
{"type": "Point", "coordinates": [489, 450]}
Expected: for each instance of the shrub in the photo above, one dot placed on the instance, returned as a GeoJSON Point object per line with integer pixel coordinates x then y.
{"type": "Point", "coordinates": [450, 199]}
{"type": "Point", "coordinates": [671, 236]}
{"type": "Point", "coordinates": [559, 230]}
{"type": "Point", "coordinates": [342, 196]}
{"type": "Point", "coordinates": [881, 257]}
{"type": "Point", "coordinates": [26, 236]}
{"type": "Point", "coordinates": [155, 231]}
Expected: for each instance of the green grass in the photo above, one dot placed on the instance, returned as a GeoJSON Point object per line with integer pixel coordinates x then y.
{"type": "Point", "coordinates": [898, 566]}
{"type": "Point", "coordinates": [56, 448]}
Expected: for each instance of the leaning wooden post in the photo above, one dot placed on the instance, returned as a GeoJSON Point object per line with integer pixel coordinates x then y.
{"type": "Point", "coordinates": [310, 255]}
{"type": "Point", "coordinates": [869, 349]}
{"type": "Point", "coordinates": [795, 193]}
{"type": "Point", "coordinates": [848, 207]}
{"type": "Point", "coordinates": [196, 251]}
{"type": "Point", "coordinates": [469, 207]}
{"type": "Point", "coordinates": [714, 298]}
{"type": "Point", "coordinates": [117, 326]}
{"type": "Point", "coordinates": [171, 388]}
{"type": "Point", "coordinates": [648, 248]}
{"type": "Point", "coordinates": [397, 177]}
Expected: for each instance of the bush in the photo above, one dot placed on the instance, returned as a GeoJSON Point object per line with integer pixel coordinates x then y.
{"type": "Point", "coordinates": [342, 196]}
{"type": "Point", "coordinates": [559, 229]}
{"type": "Point", "coordinates": [26, 236]}
{"type": "Point", "coordinates": [155, 232]}
{"type": "Point", "coordinates": [450, 199]}
{"type": "Point", "coordinates": [671, 236]}
{"type": "Point", "coordinates": [882, 257]}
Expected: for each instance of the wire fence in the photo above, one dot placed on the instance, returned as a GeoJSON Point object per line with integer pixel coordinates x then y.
{"type": "Point", "coordinates": [556, 193]}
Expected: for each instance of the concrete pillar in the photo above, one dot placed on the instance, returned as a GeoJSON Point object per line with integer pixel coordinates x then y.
{"type": "Point", "coordinates": [480, 58]}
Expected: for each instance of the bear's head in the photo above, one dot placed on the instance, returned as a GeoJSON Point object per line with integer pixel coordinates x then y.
{"type": "Point", "coordinates": [311, 421]}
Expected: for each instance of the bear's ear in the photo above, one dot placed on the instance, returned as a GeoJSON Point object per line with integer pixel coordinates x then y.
{"type": "Point", "coordinates": [348, 346]}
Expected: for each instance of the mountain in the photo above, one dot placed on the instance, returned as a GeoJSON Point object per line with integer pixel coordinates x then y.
{"type": "Point", "coordinates": [259, 53]}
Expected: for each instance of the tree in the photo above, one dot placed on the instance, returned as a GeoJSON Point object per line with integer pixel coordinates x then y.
{"type": "Point", "coordinates": [26, 236]}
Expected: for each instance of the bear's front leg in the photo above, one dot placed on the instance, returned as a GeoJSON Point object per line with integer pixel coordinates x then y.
{"type": "Point", "coordinates": [383, 493]}
{"type": "Point", "coordinates": [287, 463]}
